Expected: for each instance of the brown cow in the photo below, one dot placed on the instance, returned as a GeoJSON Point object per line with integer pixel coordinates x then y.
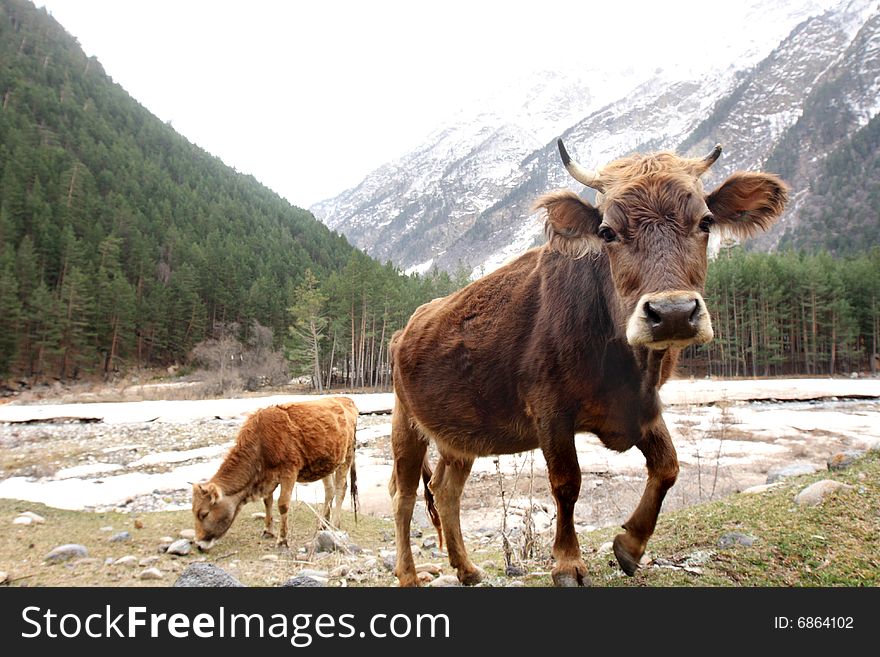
{"type": "Point", "coordinates": [283, 444]}
{"type": "Point", "coordinates": [576, 335]}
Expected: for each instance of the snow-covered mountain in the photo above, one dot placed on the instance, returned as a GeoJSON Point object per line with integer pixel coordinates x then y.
{"type": "Point", "coordinates": [463, 197]}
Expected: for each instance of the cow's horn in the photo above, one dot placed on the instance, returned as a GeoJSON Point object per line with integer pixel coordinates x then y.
{"type": "Point", "coordinates": [709, 160]}
{"type": "Point", "coordinates": [584, 176]}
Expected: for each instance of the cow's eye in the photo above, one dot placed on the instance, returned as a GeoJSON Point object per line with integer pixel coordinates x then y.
{"type": "Point", "coordinates": [203, 515]}
{"type": "Point", "coordinates": [706, 223]}
{"type": "Point", "coordinates": [607, 234]}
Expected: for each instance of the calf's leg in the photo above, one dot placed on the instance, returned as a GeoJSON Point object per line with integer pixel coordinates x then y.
{"type": "Point", "coordinates": [267, 502]}
{"type": "Point", "coordinates": [408, 449]}
{"type": "Point", "coordinates": [340, 486]}
{"type": "Point", "coordinates": [287, 484]}
{"type": "Point", "coordinates": [662, 462]}
{"type": "Point", "coordinates": [447, 484]}
{"type": "Point", "coordinates": [328, 499]}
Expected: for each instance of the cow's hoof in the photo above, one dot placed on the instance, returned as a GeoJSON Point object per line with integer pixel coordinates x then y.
{"type": "Point", "coordinates": [267, 534]}
{"type": "Point", "coordinates": [565, 580]}
{"type": "Point", "coordinates": [282, 543]}
{"type": "Point", "coordinates": [628, 563]}
{"type": "Point", "coordinates": [470, 577]}
{"type": "Point", "coordinates": [408, 581]}
{"type": "Point", "coordinates": [571, 577]}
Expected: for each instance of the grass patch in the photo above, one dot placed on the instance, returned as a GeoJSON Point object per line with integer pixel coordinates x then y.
{"type": "Point", "coordinates": [240, 552]}
{"type": "Point", "coordinates": [835, 544]}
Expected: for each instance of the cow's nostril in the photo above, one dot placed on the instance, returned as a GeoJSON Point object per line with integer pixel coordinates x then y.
{"type": "Point", "coordinates": [695, 314]}
{"type": "Point", "coordinates": [652, 315]}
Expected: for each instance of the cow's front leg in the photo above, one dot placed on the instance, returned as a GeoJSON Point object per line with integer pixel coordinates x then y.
{"type": "Point", "coordinates": [267, 531]}
{"type": "Point", "coordinates": [565, 481]}
{"type": "Point", "coordinates": [662, 462]}
{"type": "Point", "coordinates": [287, 484]}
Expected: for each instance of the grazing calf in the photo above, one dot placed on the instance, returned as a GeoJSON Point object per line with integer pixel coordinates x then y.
{"type": "Point", "coordinates": [280, 445]}
{"type": "Point", "coordinates": [576, 335]}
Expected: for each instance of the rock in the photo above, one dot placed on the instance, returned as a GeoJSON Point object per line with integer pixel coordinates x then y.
{"type": "Point", "coordinates": [429, 543]}
{"type": "Point", "coordinates": [730, 539]}
{"type": "Point", "coordinates": [22, 520]}
{"type": "Point", "coordinates": [445, 581]}
{"type": "Point", "coordinates": [514, 570]}
{"type": "Point", "coordinates": [120, 537]}
{"type": "Point", "coordinates": [151, 573]}
{"type": "Point", "coordinates": [179, 547]}
{"type": "Point", "coordinates": [148, 561]}
{"type": "Point", "coordinates": [188, 534]}
{"type": "Point", "coordinates": [67, 551]}
{"type": "Point", "coordinates": [488, 565]}
{"type": "Point", "coordinates": [843, 460]}
{"type": "Point", "coordinates": [259, 515]}
{"type": "Point", "coordinates": [166, 539]}
{"type": "Point", "coordinates": [302, 580]}
{"type": "Point", "coordinates": [431, 568]}
{"type": "Point", "coordinates": [607, 546]}
{"type": "Point", "coordinates": [425, 578]}
{"type": "Point", "coordinates": [761, 488]}
{"type": "Point", "coordinates": [4, 577]}
{"type": "Point", "coordinates": [269, 557]}
{"type": "Point", "coordinates": [315, 574]}
{"type": "Point", "coordinates": [127, 560]}
{"type": "Point", "coordinates": [106, 529]}
{"type": "Point", "coordinates": [202, 574]}
{"type": "Point", "coordinates": [815, 494]}
{"type": "Point", "coordinates": [138, 523]}
{"type": "Point", "coordinates": [340, 571]}
{"type": "Point", "coordinates": [791, 470]}
{"type": "Point", "coordinates": [327, 541]}
{"type": "Point", "coordinates": [517, 583]}
{"type": "Point", "coordinates": [36, 518]}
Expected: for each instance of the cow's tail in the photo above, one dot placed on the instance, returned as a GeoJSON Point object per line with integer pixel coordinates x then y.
{"type": "Point", "coordinates": [429, 501]}
{"type": "Point", "coordinates": [353, 477]}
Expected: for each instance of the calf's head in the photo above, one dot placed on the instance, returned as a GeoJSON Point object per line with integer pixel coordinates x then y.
{"type": "Point", "coordinates": [213, 513]}
{"type": "Point", "coordinates": [652, 219]}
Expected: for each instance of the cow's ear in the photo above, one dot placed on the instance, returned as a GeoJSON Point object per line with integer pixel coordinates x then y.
{"type": "Point", "coordinates": [570, 223]}
{"type": "Point", "coordinates": [748, 202]}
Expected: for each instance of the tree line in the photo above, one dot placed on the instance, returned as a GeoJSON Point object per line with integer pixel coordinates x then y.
{"type": "Point", "coordinates": [790, 314]}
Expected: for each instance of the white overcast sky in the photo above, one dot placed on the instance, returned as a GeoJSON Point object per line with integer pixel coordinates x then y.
{"type": "Point", "coordinates": [310, 96]}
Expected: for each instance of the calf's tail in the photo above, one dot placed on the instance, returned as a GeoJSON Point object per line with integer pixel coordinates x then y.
{"type": "Point", "coordinates": [353, 476]}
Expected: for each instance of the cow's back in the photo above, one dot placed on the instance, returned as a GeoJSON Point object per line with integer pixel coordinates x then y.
{"type": "Point", "coordinates": [456, 363]}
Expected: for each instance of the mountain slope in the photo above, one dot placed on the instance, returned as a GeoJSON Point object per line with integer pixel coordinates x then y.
{"type": "Point", "coordinates": [119, 239]}
{"type": "Point", "coordinates": [765, 88]}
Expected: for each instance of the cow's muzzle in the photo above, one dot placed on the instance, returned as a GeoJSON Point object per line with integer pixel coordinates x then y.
{"type": "Point", "coordinates": [669, 319]}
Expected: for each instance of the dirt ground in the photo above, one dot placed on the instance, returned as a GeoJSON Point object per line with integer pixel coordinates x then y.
{"type": "Point", "coordinates": [139, 456]}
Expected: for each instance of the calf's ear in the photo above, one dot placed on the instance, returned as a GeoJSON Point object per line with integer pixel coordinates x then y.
{"type": "Point", "coordinates": [570, 223]}
{"type": "Point", "coordinates": [748, 202]}
{"type": "Point", "coordinates": [211, 491]}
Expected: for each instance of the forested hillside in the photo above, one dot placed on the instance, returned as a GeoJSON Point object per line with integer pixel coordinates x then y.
{"type": "Point", "coordinates": [791, 313]}
{"type": "Point", "coordinates": [121, 243]}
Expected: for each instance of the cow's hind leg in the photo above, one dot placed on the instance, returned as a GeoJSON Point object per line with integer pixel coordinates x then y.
{"type": "Point", "coordinates": [447, 484]}
{"type": "Point", "coordinates": [565, 482]}
{"type": "Point", "coordinates": [267, 502]}
{"type": "Point", "coordinates": [662, 463]}
{"type": "Point", "coordinates": [408, 448]}
{"type": "Point", "coordinates": [287, 484]}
